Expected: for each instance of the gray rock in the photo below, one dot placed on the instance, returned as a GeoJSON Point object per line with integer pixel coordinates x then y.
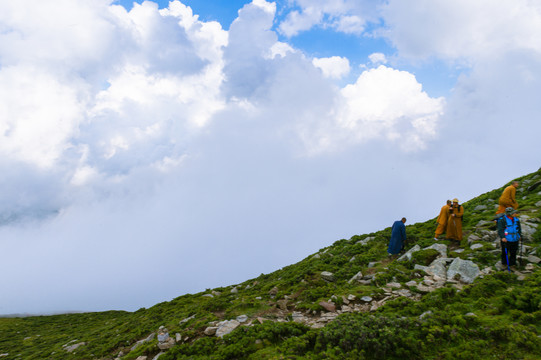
{"type": "Point", "coordinates": [480, 207]}
{"type": "Point", "coordinates": [425, 315]}
{"type": "Point", "coordinates": [211, 330]}
{"type": "Point", "coordinates": [242, 318]}
{"type": "Point", "coordinates": [225, 327]}
{"type": "Point", "coordinates": [366, 298]}
{"type": "Point", "coordinates": [394, 285]}
{"type": "Point", "coordinates": [408, 254]}
{"type": "Point", "coordinates": [327, 276]}
{"type": "Point", "coordinates": [208, 295]}
{"type": "Point", "coordinates": [167, 344]}
{"type": "Point", "coordinates": [533, 259]}
{"type": "Point", "coordinates": [141, 342]}
{"type": "Point", "coordinates": [465, 270]}
{"type": "Point", "coordinates": [473, 238]}
{"type": "Point", "coordinates": [372, 264]}
{"type": "Point", "coordinates": [158, 356]}
{"type": "Point", "coordinates": [187, 319]}
{"type": "Point", "coordinates": [538, 204]}
{"type": "Point", "coordinates": [72, 348]}
{"type": "Point", "coordinates": [357, 277]}
{"type": "Point", "coordinates": [436, 268]}
{"type": "Point", "coordinates": [352, 297]}
{"type": "Point", "coordinates": [298, 317]}
{"type": "Point", "coordinates": [316, 256]}
{"type": "Point", "coordinates": [403, 292]}
{"type": "Point", "coordinates": [411, 283]}
{"type": "Point", "coordinates": [234, 290]}
{"type": "Point", "coordinates": [458, 251]}
{"type": "Point", "coordinates": [441, 248]}
{"type": "Point", "coordinates": [476, 246]}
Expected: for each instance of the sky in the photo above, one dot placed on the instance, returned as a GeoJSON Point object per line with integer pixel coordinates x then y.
{"type": "Point", "coordinates": [149, 150]}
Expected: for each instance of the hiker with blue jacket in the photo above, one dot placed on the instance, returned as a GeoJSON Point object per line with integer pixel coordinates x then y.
{"type": "Point", "coordinates": [398, 237]}
{"type": "Point", "coordinates": [510, 234]}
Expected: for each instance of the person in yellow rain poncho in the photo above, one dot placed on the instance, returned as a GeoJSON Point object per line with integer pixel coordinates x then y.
{"type": "Point", "coordinates": [442, 220]}
{"type": "Point", "coordinates": [508, 198]}
{"type": "Point", "coordinates": [454, 221]}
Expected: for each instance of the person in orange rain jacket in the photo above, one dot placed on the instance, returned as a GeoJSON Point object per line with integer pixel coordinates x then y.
{"type": "Point", "coordinates": [454, 221]}
{"type": "Point", "coordinates": [508, 198]}
{"type": "Point", "coordinates": [442, 220]}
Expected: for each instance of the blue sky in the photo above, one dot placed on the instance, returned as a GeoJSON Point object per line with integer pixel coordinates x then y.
{"type": "Point", "coordinates": [151, 147]}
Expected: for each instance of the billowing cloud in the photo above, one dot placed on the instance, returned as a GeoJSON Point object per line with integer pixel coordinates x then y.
{"type": "Point", "coordinates": [347, 16]}
{"type": "Point", "coordinates": [334, 67]}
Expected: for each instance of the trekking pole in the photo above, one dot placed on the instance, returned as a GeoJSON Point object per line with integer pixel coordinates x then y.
{"type": "Point", "coordinates": [507, 257]}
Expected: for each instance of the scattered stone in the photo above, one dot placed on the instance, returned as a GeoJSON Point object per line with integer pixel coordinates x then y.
{"type": "Point", "coordinates": [484, 222]}
{"type": "Point", "coordinates": [357, 277]}
{"type": "Point", "coordinates": [437, 268]}
{"type": "Point", "coordinates": [327, 276]}
{"type": "Point", "coordinates": [425, 289]}
{"type": "Point", "coordinates": [211, 330]}
{"type": "Point", "coordinates": [163, 334]}
{"type": "Point", "coordinates": [298, 317]}
{"type": "Point", "coordinates": [352, 297]}
{"type": "Point", "coordinates": [411, 283]}
{"type": "Point", "coordinates": [352, 259]}
{"type": "Point", "coordinates": [407, 255]}
{"type": "Point", "coordinates": [403, 292]}
{"type": "Point", "coordinates": [441, 248]}
{"type": "Point", "coordinates": [242, 318]}
{"type": "Point", "coordinates": [282, 304]}
{"type": "Point", "coordinates": [208, 295]}
{"type": "Point", "coordinates": [530, 267]}
{"type": "Point", "coordinates": [538, 204]}
{"type": "Point", "coordinates": [166, 344]}
{"type": "Point", "coordinates": [465, 270]}
{"type": "Point", "coordinates": [366, 298]}
{"type": "Point", "coordinates": [471, 314]}
{"type": "Point", "coordinates": [158, 356]}
{"type": "Point", "coordinates": [473, 238]}
{"type": "Point", "coordinates": [425, 315]}
{"type": "Point", "coordinates": [72, 348]}
{"type": "Point", "coordinates": [476, 246]}
{"type": "Point", "coordinates": [142, 357]}
{"type": "Point", "coordinates": [480, 207]}
{"type": "Point", "coordinates": [458, 251]}
{"type": "Point", "coordinates": [372, 264]}
{"type": "Point", "coordinates": [187, 319]}
{"type": "Point", "coordinates": [273, 291]}
{"type": "Point", "coordinates": [141, 342]}
{"type": "Point", "coordinates": [234, 290]}
{"type": "Point", "coordinates": [316, 256]}
{"type": "Point", "coordinates": [394, 285]}
{"type": "Point", "coordinates": [226, 326]}
{"type": "Point", "coordinates": [533, 259]}
{"type": "Point", "coordinates": [329, 306]}
{"type": "Point", "coordinates": [178, 337]}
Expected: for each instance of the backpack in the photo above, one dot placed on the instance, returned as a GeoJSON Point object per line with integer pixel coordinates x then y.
{"type": "Point", "coordinates": [511, 228]}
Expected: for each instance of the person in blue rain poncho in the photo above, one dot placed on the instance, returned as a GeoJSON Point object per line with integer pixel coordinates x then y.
{"type": "Point", "coordinates": [398, 237]}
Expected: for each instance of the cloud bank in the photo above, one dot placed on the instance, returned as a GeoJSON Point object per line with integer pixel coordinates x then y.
{"type": "Point", "coordinates": [146, 154]}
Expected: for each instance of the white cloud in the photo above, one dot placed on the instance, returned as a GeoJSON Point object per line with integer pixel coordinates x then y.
{"type": "Point", "coordinates": [463, 29]}
{"type": "Point", "coordinates": [334, 67]}
{"type": "Point", "coordinates": [346, 16]}
{"type": "Point", "coordinates": [377, 58]}
{"type": "Point", "coordinates": [383, 104]}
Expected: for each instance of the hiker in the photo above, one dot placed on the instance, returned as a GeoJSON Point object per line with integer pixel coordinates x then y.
{"type": "Point", "coordinates": [441, 221]}
{"type": "Point", "coordinates": [510, 233]}
{"type": "Point", "coordinates": [398, 237]}
{"type": "Point", "coordinates": [508, 198]}
{"type": "Point", "coordinates": [454, 221]}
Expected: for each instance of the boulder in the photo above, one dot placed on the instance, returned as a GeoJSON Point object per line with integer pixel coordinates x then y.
{"type": "Point", "coordinates": [357, 277]}
{"type": "Point", "coordinates": [167, 344]}
{"type": "Point", "coordinates": [329, 306]}
{"type": "Point", "coordinates": [407, 255]}
{"type": "Point", "coordinates": [436, 268]}
{"type": "Point", "coordinates": [242, 318]}
{"type": "Point", "coordinates": [327, 276]}
{"type": "Point", "coordinates": [225, 327]}
{"type": "Point", "coordinates": [464, 270]}
{"type": "Point", "coordinates": [441, 248]}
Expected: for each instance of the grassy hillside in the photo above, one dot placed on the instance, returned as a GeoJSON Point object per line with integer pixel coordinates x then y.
{"type": "Point", "coordinates": [391, 310]}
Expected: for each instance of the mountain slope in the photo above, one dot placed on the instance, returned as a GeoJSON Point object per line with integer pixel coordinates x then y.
{"type": "Point", "coordinates": [347, 301]}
